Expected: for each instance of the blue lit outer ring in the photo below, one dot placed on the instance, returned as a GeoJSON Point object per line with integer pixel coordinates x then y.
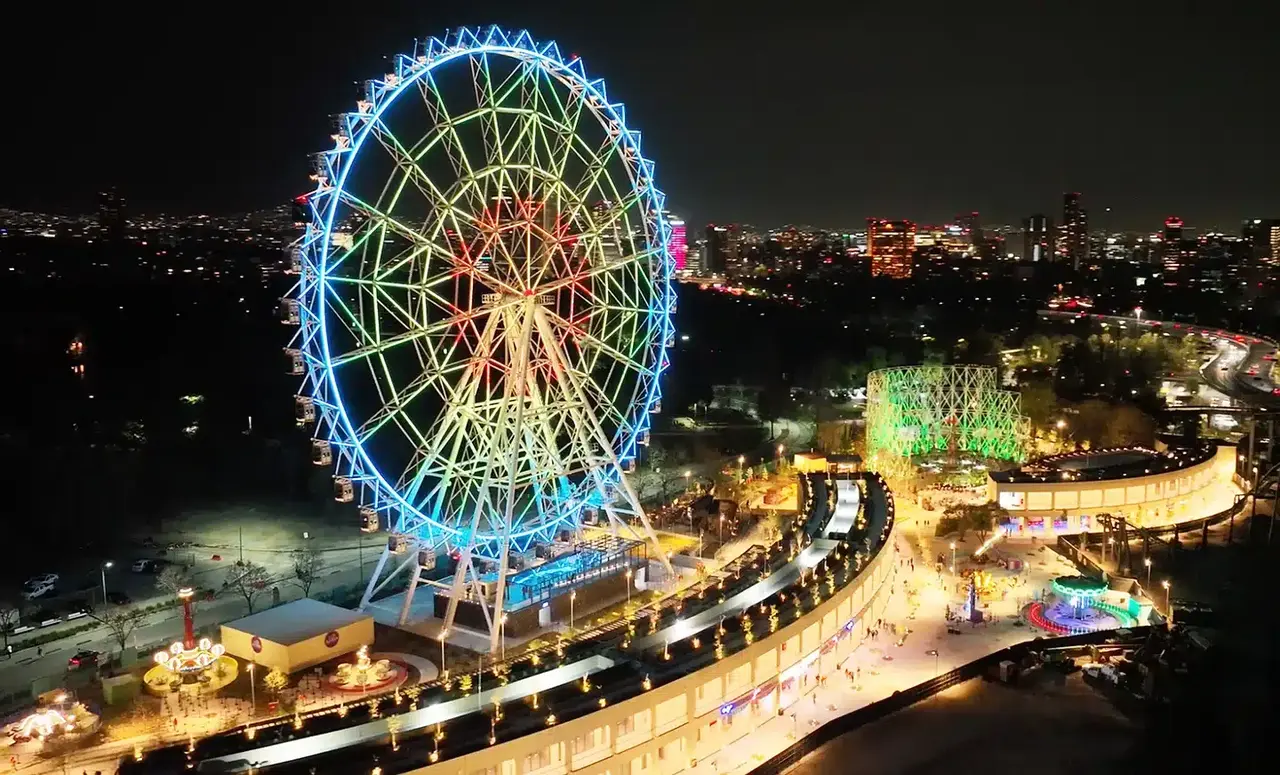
{"type": "Point", "coordinates": [335, 424]}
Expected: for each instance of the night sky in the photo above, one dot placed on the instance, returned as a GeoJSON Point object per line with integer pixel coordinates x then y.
{"type": "Point", "coordinates": [891, 109]}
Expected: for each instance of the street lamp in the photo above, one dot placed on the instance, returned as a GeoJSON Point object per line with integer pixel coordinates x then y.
{"type": "Point", "coordinates": [741, 459]}
{"type": "Point", "coordinates": [1167, 605]}
{"type": "Point", "coordinates": [721, 529]}
{"type": "Point", "coordinates": [1137, 312]}
{"type": "Point", "coordinates": [502, 635]}
{"type": "Point", "coordinates": [105, 565]}
{"type": "Point", "coordinates": [1147, 562]}
{"type": "Point", "coordinates": [687, 475]}
{"type": "Point", "coordinates": [934, 653]}
{"type": "Point", "coordinates": [628, 575]}
{"type": "Point", "coordinates": [444, 634]}
{"type": "Point", "coordinates": [253, 693]}
{"type": "Point", "coordinates": [572, 597]}
{"type": "Point", "coordinates": [953, 556]}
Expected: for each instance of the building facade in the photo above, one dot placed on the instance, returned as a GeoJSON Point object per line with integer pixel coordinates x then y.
{"type": "Point", "coordinates": [891, 247]}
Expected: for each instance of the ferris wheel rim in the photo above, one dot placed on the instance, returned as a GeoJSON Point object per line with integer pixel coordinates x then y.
{"type": "Point", "coordinates": [386, 495]}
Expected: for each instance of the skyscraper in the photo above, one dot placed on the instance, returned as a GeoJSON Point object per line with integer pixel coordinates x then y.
{"type": "Point", "coordinates": [972, 226]}
{"type": "Point", "coordinates": [715, 253]}
{"type": "Point", "coordinates": [1074, 245]}
{"type": "Point", "coordinates": [679, 244]}
{"type": "Point", "coordinates": [1262, 235]}
{"type": "Point", "coordinates": [1037, 245]}
{"type": "Point", "coordinates": [1171, 245]}
{"type": "Point", "coordinates": [891, 247]}
{"type": "Point", "coordinates": [111, 220]}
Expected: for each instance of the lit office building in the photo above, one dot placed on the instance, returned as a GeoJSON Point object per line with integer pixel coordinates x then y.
{"type": "Point", "coordinates": [891, 247]}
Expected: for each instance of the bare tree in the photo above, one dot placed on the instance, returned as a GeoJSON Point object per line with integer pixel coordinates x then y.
{"type": "Point", "coordinates": [10, 615]}
{"type": "Point", "coordinates": [122, 623]}
{"type": "Point", "coordinates": [308, 566]}
{"type": "Point", "coordinates": [249, 579]}
{"type": "Point", "coordinates": [173, 578]}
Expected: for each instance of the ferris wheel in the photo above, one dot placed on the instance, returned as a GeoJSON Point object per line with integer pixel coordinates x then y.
{"type": "Point", "coordinates": [483, 309]}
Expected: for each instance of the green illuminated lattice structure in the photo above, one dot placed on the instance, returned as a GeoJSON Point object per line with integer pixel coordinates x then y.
{"type": "Point", "coordinates": [923, 410]}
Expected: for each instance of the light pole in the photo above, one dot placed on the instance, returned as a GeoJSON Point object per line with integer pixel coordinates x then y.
{"type": "Point", "coordinates": [443, 635]}
{"type": "Point", "coordinates": [1137, 313]}
{"type": "Point", "coordinates": [628, 575]}
{"type": "Point", "coordinates": [502, 635]}
{"type": "Point", "coordinates": [572, 597]}
{"type": "Point", "coordinates": [687, 476]}
{"type": "Point", "coordinates": [781, 448]}
{"type": "Point", "coordinates": [741, 459]}
{"type": "Point", "coordinates": [953, 556]}
{"type": "Point", "coordinates": [1147, 562]}
{"type": "Point", "coordinates": [721, 529]}
{"type": "Point", "coordinates": [934, 654]}
{"type": "Point", "coordinates": [1167, 605]}
{"type": "Point", "coordinates": [105, 565]}
{"type": "Point", "coordinates": [253, 693]}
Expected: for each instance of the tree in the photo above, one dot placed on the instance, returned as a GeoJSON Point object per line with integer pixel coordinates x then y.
{"type": "Point", "coordinates": [1040, 405]}
{"type": "Point", "coordinates": [308, 565]}
{"type": "Point", "coordinates": [10, 615]}
{"type": "Point", "coordinates": [122, 623]}
{"type": "Point", "coordinates": [249, 579]}
{"type": "Point", "coordinates": [173, 578]}
{"type": "Point", "coordinates": [978, 517]}
{"type": "Point", "coordinates": [275, 680]}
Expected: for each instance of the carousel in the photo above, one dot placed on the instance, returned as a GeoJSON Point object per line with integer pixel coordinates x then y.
{"type": "Point", "coordinates": [199, 666]}
{"type": "Point", "coordinates": [1078, 604]}
{"type": "Point", "coordinates": [58, 723]}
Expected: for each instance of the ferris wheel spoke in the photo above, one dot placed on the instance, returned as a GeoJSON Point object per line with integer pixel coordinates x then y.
{"type": "Point", "coordinates": [413, 173]}
{"type": "Point", "coordinates": [438, 109]}
{"type": "Point", "coordinates": [590, 340]}
{"type": "Point", "coordinates": [398, 405]}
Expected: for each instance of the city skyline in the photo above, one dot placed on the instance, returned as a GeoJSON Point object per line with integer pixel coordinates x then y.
{"type": "Point", "coordinates": [737, 137]}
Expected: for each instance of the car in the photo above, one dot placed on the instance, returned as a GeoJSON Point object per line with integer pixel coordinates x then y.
{"type": "Point", "coordinates": [44, 579]}
{"type": "Point", "coordinates": [118, 598]}
{"type": "Point", "coordinates": [32, 592]}
{"type": "Point", "coordinates": [83, 659]}
{"type": "Point", "coordinates": [145, 566]}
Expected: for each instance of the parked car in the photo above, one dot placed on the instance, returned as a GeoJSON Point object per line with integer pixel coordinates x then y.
{"type": "Point", "coordinates": [32, 592]}
{"type": "Point", "coordinates": [145, 566]}
{"type": "Point", "coordinates": [44, 579]}
{"type": "Point", "coordinates": [83, 659]}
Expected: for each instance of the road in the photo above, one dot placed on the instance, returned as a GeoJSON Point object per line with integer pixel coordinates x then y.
{"type": "Point", "coordinates": [342, 567]}
{"type": "Point", "coordinates": [1242, 368]}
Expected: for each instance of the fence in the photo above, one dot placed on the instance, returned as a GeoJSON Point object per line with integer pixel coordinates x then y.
{"type": "Point", "coordinates": [903, 699]}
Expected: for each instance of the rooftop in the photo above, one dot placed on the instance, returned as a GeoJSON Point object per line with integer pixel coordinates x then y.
{"type": "Point", "coordinates": [296, 621]}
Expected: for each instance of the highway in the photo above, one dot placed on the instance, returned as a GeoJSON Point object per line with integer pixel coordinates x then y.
{"type": "Point", "coordinates": [1242, 368]}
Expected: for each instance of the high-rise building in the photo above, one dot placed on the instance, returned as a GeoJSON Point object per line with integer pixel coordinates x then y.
{"type": "Point", "coordinates": [111, 219]}
{"type": "Point", "coordinates": [1171, 251]}
{"type": "Point", "coordinates": [1037, 244]}
{"type": "Point", "coordinates": [715, 253]}
{"type": "Point", "coordinates": [1074, 243]}
{"type": "Point", "coordinates": [891, 247]}
{"type": "Point", "coordinates": [972, 226]}
{"type": "Point", "coordinates": [1262, 235]}
{"type": "Point", "coordinates": [679, 244]}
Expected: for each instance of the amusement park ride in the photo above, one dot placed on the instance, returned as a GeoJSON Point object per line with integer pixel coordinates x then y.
{"type": "Point", "coordinates": [483, 308]}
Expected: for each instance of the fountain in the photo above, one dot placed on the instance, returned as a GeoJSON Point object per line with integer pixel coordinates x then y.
{"type": "Point", "coordinates": [366, 674]}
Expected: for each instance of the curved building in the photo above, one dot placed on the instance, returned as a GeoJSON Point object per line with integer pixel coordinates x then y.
{"type": "Point", "coordinates": [1148, 487]}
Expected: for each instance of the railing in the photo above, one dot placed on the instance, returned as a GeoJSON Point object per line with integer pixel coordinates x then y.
{"type": "Point", "coordinates": [899, 700]}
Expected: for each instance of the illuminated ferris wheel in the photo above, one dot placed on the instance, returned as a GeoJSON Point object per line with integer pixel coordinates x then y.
{"type": "Point", "coordinates": [483, 309]}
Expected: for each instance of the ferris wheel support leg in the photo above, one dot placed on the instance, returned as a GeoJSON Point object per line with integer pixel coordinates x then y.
{"type": "Point", "coordinates": [413, 586]}
{"type": "Point", "coordinates": [373, 579]}
{"type": "Point", "coordinates": [513, 466]}
{"type": "Point", "coordinates": [558, 364]}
